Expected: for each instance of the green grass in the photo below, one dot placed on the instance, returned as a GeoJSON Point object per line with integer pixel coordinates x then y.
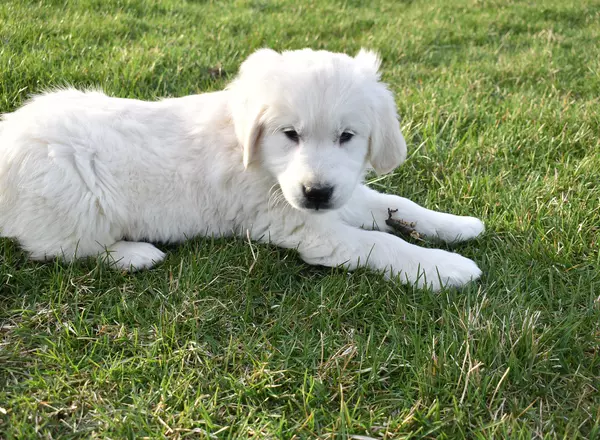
{"type": "Point", "coordinates": [500, 106]}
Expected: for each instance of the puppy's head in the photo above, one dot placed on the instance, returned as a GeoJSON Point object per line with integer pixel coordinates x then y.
{"type": "Point", "coordinates": [315, 121]}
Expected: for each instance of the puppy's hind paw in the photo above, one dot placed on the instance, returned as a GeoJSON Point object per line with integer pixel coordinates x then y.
{"type": "Point", "coordinates": [133, 255]}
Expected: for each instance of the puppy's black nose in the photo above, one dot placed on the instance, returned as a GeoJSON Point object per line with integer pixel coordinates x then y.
{"type": "Point", "coordinates": [317, 196]}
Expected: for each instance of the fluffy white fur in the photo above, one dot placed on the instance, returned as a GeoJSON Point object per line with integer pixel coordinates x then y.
{"type": "Point", "coordinates": [84, 174]}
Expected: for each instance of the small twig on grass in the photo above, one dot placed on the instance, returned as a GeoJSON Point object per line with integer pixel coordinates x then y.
{"type": "Point", "coordinates": [401, 226]}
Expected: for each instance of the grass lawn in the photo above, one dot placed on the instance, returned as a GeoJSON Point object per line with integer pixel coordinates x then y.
{"type": "Point", "coordinates": [500, 106]}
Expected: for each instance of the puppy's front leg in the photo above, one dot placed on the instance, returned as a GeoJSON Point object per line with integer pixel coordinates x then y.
{"type": "Point", "coordinates": [369, 209]}
{"type": "Point", "coordinates": [337, 244]}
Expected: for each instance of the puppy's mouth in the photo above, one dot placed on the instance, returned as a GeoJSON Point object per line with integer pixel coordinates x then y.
{"type": "Point", "coordinates": [312, 206]}
{"type": "Point", "coordinates": [316, 206]}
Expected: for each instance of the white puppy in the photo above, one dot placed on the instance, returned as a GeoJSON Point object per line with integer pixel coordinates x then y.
{"type": "Point", "coordinates": [279, 155]}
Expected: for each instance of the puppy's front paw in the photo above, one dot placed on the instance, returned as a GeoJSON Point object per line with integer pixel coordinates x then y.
{"type": "Point", "coordinates": [437, 268]}
{"type": "Point", "coordinates": [454, 228]}
{"type": "Point", "coordinates": [454, 270]}
{"type": "Point", "coordinates": [466, 228]}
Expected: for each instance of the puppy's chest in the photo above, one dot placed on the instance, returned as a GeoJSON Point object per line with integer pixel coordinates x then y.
{"type": "Point", "coordinates": [242, 206]}
{"type": "Point", "coordinates": [224, 207]}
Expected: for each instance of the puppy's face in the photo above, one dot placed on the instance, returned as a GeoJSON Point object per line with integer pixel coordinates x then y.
{"type": "Point", "coordinates": [318, 120]}
{"type": "Point", "coordinates": [317, 151]}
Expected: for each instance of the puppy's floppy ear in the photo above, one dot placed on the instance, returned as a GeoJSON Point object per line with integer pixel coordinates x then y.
{"type": "Point", "coordinates": [250, 132]}
{"type": "Point", "coordinates": [387, 148]}
{"type": "Point", "coordinates": [247, 108]}
{"type": "Point", "coordinates": [246, 117]}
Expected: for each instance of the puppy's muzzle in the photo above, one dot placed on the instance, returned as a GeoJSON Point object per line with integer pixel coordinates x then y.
{"type": "Point", "coordinates": [317, 196]}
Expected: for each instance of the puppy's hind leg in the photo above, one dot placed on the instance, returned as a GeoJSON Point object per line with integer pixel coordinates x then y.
{"type": "Point", "coordinates": [132, 255]}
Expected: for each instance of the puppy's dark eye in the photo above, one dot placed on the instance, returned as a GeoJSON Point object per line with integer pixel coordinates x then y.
{"type": "Point", "coordinates": [345, 137]}
{"type": "Point", "coordinates": [292, 135]}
